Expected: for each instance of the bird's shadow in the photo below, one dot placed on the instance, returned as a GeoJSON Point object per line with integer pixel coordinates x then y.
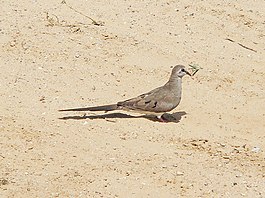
{"type": "Point", "coordinates": [174, 117]}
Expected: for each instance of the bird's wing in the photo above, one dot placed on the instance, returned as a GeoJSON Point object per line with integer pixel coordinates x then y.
{"type": "Point", "coordinates": [157, 100]}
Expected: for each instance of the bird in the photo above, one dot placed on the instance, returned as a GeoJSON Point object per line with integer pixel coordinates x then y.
{"type": "Point", "coordinates": [155, 102]}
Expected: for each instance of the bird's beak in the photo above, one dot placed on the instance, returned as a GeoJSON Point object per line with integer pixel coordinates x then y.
{"type": "Point", "coordinates": [187, 72]}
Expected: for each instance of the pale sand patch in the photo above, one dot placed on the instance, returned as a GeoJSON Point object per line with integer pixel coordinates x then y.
{"type": "Point", "coordinates": [215, 150]}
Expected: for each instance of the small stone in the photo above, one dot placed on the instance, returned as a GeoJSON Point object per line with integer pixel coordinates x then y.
{"type": "Point", "coordinates": [13, 43]}
{"type": "Point", "coordinates": [3, 181]}
{"type": "Point", "coordinates": [42, 99]}
{"type": "Point", "coordinates": [255, 149]}
{"type": "Point", "coordinates": [179, 173]}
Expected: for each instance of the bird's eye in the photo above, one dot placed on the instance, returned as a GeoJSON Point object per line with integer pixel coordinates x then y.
{"type": "Point", "coordinates": [183, 70]}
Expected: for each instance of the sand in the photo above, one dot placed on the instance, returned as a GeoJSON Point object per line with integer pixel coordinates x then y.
{"type": "Point", "coordinates": [54, 56]}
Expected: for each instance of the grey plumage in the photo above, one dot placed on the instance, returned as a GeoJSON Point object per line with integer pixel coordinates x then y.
{"type": "Point", "coordinates": [159, 100]}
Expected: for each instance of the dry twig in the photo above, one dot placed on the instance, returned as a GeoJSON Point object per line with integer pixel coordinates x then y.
{"type": "Point", "coordinates": [195, 68]}
{"type": "Point", "coordinates": [93, 21]}
{"type": "Point", "coordinates": [248, 48]}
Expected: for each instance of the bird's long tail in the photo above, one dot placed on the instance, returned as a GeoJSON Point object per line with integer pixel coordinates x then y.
{"type": "Point", "coordinates": [97, 108]}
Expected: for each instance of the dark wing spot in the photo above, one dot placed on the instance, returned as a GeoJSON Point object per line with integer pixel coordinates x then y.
{"type": "Point", "coordinates": [154, 104]}
{"type": "Point", "coordinates": [146, 102]}
{"type": "Point", "coordinates": [143, 95]}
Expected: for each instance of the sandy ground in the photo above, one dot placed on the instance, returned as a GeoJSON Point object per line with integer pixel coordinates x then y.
{"type": "Point", "coordinates": [53, 57]}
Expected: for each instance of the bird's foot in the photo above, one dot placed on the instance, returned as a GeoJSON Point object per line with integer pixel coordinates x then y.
{"type": "Point", "coordinates": [162, 119]}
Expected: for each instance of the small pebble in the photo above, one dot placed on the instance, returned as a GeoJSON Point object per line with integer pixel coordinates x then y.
{"type": "Point", "coordinates": [179, 173]}
{"type": "Point", "coordinates": [256, 149]}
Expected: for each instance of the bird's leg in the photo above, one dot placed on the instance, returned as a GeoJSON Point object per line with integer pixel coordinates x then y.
{"type": "Point", "coordinates": [161, 119]}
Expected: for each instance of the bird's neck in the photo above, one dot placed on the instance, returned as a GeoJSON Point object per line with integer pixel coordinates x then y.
{"type": "Point", "coordinates": [174, 81]}
{"type": "Point", "coordinates": [174, 84]}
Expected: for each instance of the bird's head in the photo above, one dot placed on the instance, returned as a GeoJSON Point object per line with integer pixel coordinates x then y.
{"type": "Point", "coordinates": [179, 71]}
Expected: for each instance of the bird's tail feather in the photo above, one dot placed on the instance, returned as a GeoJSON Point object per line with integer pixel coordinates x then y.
{"type": "Point", "coordinates": [97, 108]}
